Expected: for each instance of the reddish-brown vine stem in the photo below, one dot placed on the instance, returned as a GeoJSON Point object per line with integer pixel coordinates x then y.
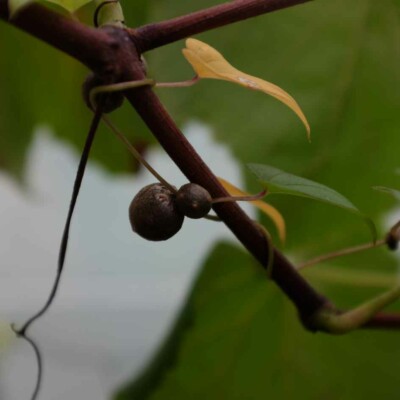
{"type": "Point", "coordinates": [154, 35]}
{"type": "Point", "coordinates": [384, 321]}
{"type": "Point", "coordinates": [115, 55]}
{"type": "Point", "coordinates": [182, 153]}
{"type": "Point", "coordinates": [89, 46]}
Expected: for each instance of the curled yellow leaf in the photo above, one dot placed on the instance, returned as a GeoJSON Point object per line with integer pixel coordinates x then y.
{"type": "Point", "coordinates": [209, 63]}
{"type": "Point", "coordinates": [267, 209]}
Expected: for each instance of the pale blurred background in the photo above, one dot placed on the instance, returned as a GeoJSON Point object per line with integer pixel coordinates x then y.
{"type": "Point", "coordinates": [119, 294]}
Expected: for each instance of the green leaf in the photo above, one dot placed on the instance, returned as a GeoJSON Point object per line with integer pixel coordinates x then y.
{"type": "Point", "coordinates": [243, 340]}
{"type": "Point", "coordinates": [69, 5]}
{"type": "Point", "coordinates": [350, 99]}
{"type": "Point", "coordinates": [395, 193]}
{"type": "Point", "coordinates": [280, 182]}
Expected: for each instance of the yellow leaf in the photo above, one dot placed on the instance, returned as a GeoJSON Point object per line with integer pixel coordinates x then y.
{"type": "Point", "coordinates": [267, 209]}
{"type": "Point", "coordinates": [209, 63]}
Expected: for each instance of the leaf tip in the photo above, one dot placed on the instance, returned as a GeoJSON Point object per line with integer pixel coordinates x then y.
{"type": "Point", "coordinates": [264, 207]}
{"type": "Point", "coordinates": [308, 132]}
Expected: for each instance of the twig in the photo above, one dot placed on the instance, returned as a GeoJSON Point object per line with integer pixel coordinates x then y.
{"type": "Point", "coordinates": [136, 154]}
{"type": "Point", "coordinates": [117, 87]}
{"type": "Point", "coordinates": [249, 197]}
{"type": "Point", "coordinates": [89, 46]}
{"type": "Point", "coordinates": [188, 83]}
{"type": "Point", "coordinates": [384, 321]}
{"type": "Point", "coordinates": [340, 253]}
{"type": "Point", "coordinates": [154, 35]}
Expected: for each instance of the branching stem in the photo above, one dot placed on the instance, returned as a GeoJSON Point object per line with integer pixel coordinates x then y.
{"type": "Point", "coordinates": [114, 54]}
{"type": "Point", "coordinates": [158, 34]}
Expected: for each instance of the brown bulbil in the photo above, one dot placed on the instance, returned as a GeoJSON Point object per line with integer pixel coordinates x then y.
{"type": "Point", "coordinates": [193, 201]}
{"type": "Point", "coordinates": [112, 100]}
{"type": "Point", "coordinates": [153, 213]}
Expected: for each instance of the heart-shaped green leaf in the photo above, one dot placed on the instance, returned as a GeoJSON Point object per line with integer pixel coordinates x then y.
{"type": "Point", "coordinates": [280, 182]}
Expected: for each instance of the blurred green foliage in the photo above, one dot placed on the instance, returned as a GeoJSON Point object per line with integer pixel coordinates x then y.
{"type": "Point", "coordinates": [238, 337]}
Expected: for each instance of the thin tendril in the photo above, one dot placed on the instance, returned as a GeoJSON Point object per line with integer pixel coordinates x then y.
{"type": "Point", "coordinates": [117, 87]}
{"type": "Point", "coordinates": [340, 253]}
{"type": "Point", "coordinates": [39, 366]}
{"type": "Point", "coordinates": [255, 197]}
{"type": "Point", "coordinates": [38, 362]}
{"type": "Point", "coordinates": [64, 242]}
{"type": "Point", "coordinates": [63, 247]}
{"type": "Point", "coordinates": [188, 83]}
{"type": "Point", "coordinates": [136, 154]}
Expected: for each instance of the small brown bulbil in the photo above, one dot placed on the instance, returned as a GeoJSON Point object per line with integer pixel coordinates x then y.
{"type": "Point", "coordinates": [112, 101]}
{"type": "Point", "coordinates": [193, 201]}
{"type": "Point", "coordinates": [153, 213]}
